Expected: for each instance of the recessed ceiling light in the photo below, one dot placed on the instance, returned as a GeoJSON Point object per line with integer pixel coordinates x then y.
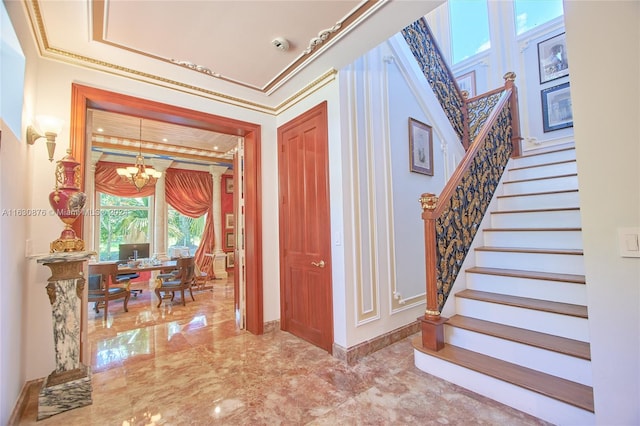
{"type": "Point", "coordinates": [100, 129]}
{"type": "Point", "coordinates": [165, 139]}
{"type": "Point", "coordinates": [215, 148]}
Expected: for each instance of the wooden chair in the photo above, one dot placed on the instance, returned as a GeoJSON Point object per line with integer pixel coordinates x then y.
{"type": "Point", "coordinates": [180, 281]}
{"type": "Point", "coordinates": [104, 286]}
{"type": "Point", "coordinates": [201, 278]}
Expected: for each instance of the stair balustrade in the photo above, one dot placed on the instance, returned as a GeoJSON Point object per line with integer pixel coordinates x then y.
{"type": "Point", "coordinates": [452, 219]}
{"type": "Point", "coordinates": [489, 129]}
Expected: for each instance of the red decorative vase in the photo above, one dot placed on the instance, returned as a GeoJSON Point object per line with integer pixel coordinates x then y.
{"type": "Point", "coordinates": [67, 202]}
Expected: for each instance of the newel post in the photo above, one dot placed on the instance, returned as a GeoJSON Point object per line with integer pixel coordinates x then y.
{"type": "Point", "coordinates": [516, 138]}
{"type": "Point", "coordinates": [432, 323]}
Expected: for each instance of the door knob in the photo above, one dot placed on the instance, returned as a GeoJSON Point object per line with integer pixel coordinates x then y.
{"type": "Point", "coordinates": [318, 264]}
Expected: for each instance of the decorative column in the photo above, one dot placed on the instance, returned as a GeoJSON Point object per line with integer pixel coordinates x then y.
{"type": "Point", "coordinates": [219, 256]}
{"type": "Point", "coordinates": [90, 221]}
{"type": "Point", "coordinates": [69, 385]}
{"type": "Point", "coordinates": [160, 209]}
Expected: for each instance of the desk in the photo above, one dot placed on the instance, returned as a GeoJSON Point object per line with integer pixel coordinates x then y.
{"type": "Point", "coordinates": [126, 269]}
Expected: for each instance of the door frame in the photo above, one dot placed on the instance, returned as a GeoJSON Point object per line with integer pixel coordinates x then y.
{"type": "Point", "coordinates": [84, 97]}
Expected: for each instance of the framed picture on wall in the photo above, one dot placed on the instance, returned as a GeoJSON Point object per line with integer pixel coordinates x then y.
{"type": "Point", "coordinates": [552, 58]}
{"type": "Point", "coordinates": [228, 185]}
{"type": "Point", "coordinates": [556, 108]}
{"type": "Point", "coordinates": [467, 82]}
{"type": "Point", "coordinates": [231, 260]}
{"type": "Point", "coordinates": [228, 221]}
{"type": "Point", "coordinates": [230, 240]}
{"type": "Point", "coordinates": [420, 147]}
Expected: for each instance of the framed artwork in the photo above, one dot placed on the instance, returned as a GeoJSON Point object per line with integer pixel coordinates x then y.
{"type": "Point", "coordinates": [468, 82]}
{"type": "Point", "coordinates": [229, 223]}
{"type": "Point", "coordinates": [420, 147]}
{"type": "Point", "coordinates": [231, 260]}
{"type": "Point", "coordinates": [552, 58]}
{"type": "Point", "coordinates": [228, 185]}
{"type": "Point", "coordinates": [556, 108]}
{"type": "Point", "coordinates": [230, 240]}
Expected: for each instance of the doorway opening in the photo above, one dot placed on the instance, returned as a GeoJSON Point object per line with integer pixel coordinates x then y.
{"type": "Point", "coordinates": [85, 97]}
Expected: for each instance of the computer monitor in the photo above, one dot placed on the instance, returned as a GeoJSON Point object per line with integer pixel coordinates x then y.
{"type": "Point", "coordinates": [133, 251]}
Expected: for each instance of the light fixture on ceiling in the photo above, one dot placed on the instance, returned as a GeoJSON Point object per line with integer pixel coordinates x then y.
{"type": "Point", "coordinates": [139, 174]}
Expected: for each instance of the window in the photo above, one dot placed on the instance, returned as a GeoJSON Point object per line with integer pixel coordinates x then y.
{"type": "Point", "coordinates": [122, 220]}
{"type": "Point", "coordinates": [532, 13]}
{"type": "Point", "coordinates": [184, 231]}
{"type": "Point", "coordinates": [469, 28]}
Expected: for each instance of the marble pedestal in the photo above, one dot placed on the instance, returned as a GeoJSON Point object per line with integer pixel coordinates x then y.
{"type": "Point", "coordinates": [69, 385]}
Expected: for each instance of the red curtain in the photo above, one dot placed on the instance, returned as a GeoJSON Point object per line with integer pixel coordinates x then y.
{"type": "Point", "coordinates": [109, 182]}
{"type": "Point", "coordinates": [191, 193]}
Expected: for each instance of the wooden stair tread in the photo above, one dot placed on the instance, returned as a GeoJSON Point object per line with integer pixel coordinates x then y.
{"type": "Point", "coordinates": [526, 303]}
{"type": "Point", "coordinates": [541, 178]}
{"type": "Point", "coordinates": [531, 229]}
{"type": "Point", "coordinates": [550, 342]}
{"type": "Point", "coordinates": [563, 209]}
{"type": "Point", "coordinates": [526, 194]}
{"type": "Point", "coordinates": [516, 273]}
{"type": "Point", "coordinates": [531, 250]}
{"type": "Point", "coordinates": [569, 392]}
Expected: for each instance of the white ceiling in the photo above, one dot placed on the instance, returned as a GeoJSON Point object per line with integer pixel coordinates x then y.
{"type": "Point", "coordinates": [215, 49]}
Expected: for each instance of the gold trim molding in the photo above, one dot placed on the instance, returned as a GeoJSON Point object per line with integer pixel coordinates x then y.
{"type": "Point", "coordinates": [47, 51]}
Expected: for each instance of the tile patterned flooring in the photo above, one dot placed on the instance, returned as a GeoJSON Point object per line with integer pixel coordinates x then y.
{"type": "Point", "coordinates": [191, 365]}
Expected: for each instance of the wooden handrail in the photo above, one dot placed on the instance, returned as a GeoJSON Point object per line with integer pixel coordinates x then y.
{"type": "Point", "coordinates": [462, 168]}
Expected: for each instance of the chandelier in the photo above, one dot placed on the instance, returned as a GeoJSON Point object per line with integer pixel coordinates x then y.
{"type": "Point", "coordinates": [139, 174]}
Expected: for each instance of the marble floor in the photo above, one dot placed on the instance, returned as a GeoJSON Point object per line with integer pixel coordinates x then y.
{"type": "Point", "coordinates": [191, 365]}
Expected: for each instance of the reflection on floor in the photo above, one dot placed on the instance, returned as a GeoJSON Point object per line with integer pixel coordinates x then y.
{"type": "Point", "coordinates": [191, 365]}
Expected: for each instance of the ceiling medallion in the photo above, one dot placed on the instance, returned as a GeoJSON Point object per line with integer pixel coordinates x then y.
{"type": "Point", "coordinates": [322, 37]}
{"type": "Point", "coordinates": [195, 67]}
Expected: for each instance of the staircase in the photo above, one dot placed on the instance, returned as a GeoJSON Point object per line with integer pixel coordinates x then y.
{"type": "Point", "coordinates": [520, 332]}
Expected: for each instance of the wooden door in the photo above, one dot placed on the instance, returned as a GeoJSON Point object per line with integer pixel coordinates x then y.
{"type": "Point", "coordinates": [239, 277]}
{"type": "Point", "coordinates": [306, 308]}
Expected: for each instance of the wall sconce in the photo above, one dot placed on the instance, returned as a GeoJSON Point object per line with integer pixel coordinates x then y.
{"type": "Point", "coordinates": [51, 127]}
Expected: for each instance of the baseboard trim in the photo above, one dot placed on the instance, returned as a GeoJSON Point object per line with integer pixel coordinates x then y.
{"type": "Point", "coordinates": [23, 401]}
{"type": "Point", "coordinates": [271, 326]}
{"type": "Point", "coordinates": [355, 353]}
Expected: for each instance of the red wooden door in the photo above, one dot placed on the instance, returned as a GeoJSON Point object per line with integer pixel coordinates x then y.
{"type": "Point", "coordinates": [306, 308]}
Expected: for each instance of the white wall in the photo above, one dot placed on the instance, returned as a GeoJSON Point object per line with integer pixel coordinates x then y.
{"type": "Point", "coordinates": [606, 111]}
{"type": "Point", "coordinates": [384, 277]}
{"type": "Point", "coordinates": [13, 226]}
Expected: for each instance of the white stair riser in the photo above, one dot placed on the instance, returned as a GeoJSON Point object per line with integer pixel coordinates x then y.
{"type": "Point", "coordinates": [534, 239]}
{"type": "Point", "coordinates": [537, 219]}
{"type": "Point", "coordinates": [528, 261]}
{"type": "Point", "coordinates": [543, 171]}
{"type": "Point", "coordinates": [555, 291]}
{"type": "Point", "coordinates": [540, 185]}
{"type": "Point", "coordinates": [550, 157]}
{"type": "Point", "coordinates": [533, 403]}
{"type": "Point", "coordinates": [543, 201]}
{"type": "Point", "coordinates": [544, 322]}
{"type": "Point", "coordinates": [549, 362]}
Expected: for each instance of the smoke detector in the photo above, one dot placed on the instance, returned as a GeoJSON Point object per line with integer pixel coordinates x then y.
{"type": "Point", "coordinates": [281, 43]}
